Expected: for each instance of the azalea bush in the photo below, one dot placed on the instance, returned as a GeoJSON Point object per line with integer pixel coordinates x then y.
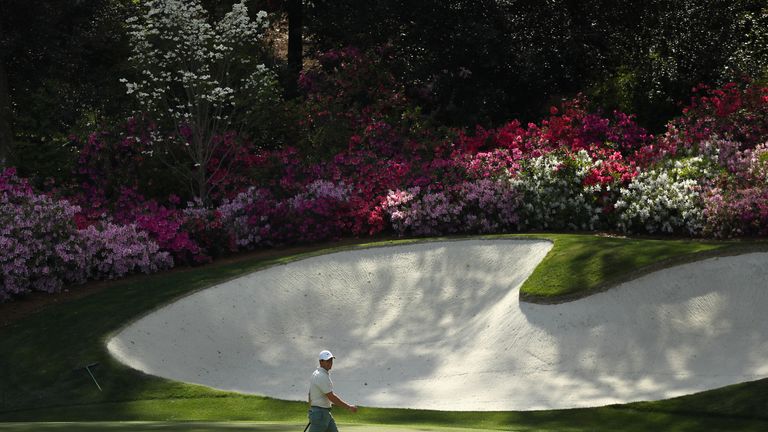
{"type": "Point", "coordinates": [758, 163]}
{"type": "Point", "coordinates": [667, 198]}
{"type": "Point", "coordinates": [354, 101]}
{"type": "Point", "coordinates": [727, 125]}
{"type": "Point", "coordinates": [321, 210]}
{"type": "Point", "coordinates": [370, 179]}
{"type": "Point", "coordinates": [481, 206]}
{"type": "Point", "coordinates": [163, 224]}
{"type": "Point", "coordinates": [735, 212]}
{"type": "Point", "coordinates": [736, 204]}
{"type": "Point", "coordinates": [734, 112]}
{"type": "Point", "coordinates": [555, 194]}
{"type": "Point", "coordinates": [247, 218]}
{"type": "Point", "coordinates": [109, 162]}
{"type": "Point", "coordinates": [43, 249]}
{"type": "Point", "coordinates": [113, 251]}
{"type": "Point", "coordinates": [574, 127]}
{"type": "Point", "coordinates": [494, 164]}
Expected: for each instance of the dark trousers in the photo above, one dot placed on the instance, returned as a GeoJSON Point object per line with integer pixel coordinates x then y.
{"type": "Point", "coordinates": [321, 420]}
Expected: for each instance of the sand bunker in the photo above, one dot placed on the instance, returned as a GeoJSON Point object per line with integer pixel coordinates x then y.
{"type": "Point", "coordinates": [439, 326]}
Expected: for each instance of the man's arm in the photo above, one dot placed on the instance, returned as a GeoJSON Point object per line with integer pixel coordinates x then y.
{"type": "Point", "coordinates": [340, 402]}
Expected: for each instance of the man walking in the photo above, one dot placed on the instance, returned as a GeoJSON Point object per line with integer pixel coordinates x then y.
{"type": "Point", "coordinates": [321, 396]}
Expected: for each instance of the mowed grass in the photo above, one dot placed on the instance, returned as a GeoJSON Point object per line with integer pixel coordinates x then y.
{"type": "Point", "coordinates": [42, 356]}
{"type": "Point", "coordinates": [580, 265]}
{"type": "Point", "coordinates": [203, 427]}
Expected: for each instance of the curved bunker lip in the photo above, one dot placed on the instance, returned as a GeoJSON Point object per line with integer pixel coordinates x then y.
{"type": "Point", "coordinates": [439, 325]}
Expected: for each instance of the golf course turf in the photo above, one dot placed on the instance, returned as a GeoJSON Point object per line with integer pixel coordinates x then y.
{"type": "Point", "coordinates": [42, 375]}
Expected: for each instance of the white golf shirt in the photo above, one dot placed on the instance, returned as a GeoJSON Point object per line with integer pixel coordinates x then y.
{"type": "Point", "coordinates": [319, 386]}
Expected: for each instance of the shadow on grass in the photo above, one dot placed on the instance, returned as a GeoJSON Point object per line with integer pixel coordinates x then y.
{"type": "Point", "coordinates": [148, 426]}
{"type": "Point", "coordinates": [612, 418]}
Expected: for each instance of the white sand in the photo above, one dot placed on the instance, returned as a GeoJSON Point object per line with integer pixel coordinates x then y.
{"type": "Point", "coordinates": [439, 326]}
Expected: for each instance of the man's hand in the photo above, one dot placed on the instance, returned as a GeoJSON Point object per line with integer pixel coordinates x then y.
{"type": "Point", "coordinates": [340, 402]}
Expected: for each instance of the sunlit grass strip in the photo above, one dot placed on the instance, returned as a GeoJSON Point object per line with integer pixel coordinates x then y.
{"type": "Point", "coordinates": [580, 265]}
{"type": "Point", "coordinates": [605, 419]}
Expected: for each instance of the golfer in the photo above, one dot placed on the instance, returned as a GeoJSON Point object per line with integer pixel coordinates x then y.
{"type": "Point", "coordinates": [321, 397]}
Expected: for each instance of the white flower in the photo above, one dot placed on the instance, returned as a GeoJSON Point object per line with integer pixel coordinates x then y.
{"type": "Point", "coordinates": [663, 199]}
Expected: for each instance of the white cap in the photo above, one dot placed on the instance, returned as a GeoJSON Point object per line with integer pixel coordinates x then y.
{"type": "Point", "coordinates": [326, 355]}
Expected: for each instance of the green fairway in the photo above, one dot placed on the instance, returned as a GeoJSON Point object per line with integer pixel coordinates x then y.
{"type": "Point", "coordinates": [204, 427]}
{"type": "Point", "coordinates": [602, 419]}
{"type": "Point", "coordinates": [42, 377]}
{"type": "Point", "coordinates": [201, 427]}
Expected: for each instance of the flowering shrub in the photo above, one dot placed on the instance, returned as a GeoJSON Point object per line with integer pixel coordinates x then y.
{"type": "Point", "coordinates": [488, 206]}
{"type": "Point", "coordinates": [319, 212]}
{"type": "Point", "coordinates": [554, 191]}
{"type": "Point", "coordinates": [728, 125]}
{"type": "Point", "coordinates": [574, 170]}
{"type": "Point", "coordinates": [758, 163]}
{"type": "Point", "coordinates": [574, 128]}
{"type": "Point", "coordinates": [254, 218]}
{"type": "Point", "coordinates": [42, 248]}
{"type": "Point", "coordinates": [736, 206]}
{"type": "Point", "coordinates": [577, 129]}
{"type": "Point", "coordinates": [321, 190]}
{"type": "Point", "coordinates": [494, 164]}
{"type": "Point", "coordinates": [482, 206]}
{"type": "Point", "coordinates": [38, 239]}
{"type": "Point", "coordinates": [667, 198]}
{"type": "Point", "coordinates": [162, 224]}
{"type": "Point", "coordinates": [729, 112]}
{"type": "Point", "coordinates": [726, 153]}
{"type": "Point", "coordinates": [113, 251]}
{"type": "Point", "coordinates": [247, 217]}
{"type": "Point", "coordinates": [354, 102]}
{"type": "Point", "coordinates": [736, 212]}
{"type": "Point", "coordinates": [368, 177]}
{"type": "Point", "coordinates": [206, 232]}
{"type": "Point", "coordinates": [509, 136]}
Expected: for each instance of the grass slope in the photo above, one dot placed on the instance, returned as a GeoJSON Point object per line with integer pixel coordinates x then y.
{"type": "Point", "coordinates": [42, 355]}
{"type": "Point", "coordinates": [580, 265]}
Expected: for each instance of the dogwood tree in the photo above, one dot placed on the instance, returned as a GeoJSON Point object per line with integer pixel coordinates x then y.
{"type": "Point", "coordinates": [197, 80]}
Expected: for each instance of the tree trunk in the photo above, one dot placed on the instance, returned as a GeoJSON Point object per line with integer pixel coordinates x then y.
{"type": "Point", "coordinates": [6, 133]}
{"type": "Point", "coordinates": [295, 11]}
{"type": "Point", "coordinates": [200, 166]}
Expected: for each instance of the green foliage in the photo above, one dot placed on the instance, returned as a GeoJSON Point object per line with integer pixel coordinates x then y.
{"type": "Point", "coordinates": [617, 91]}
{"type": "Point", "coordinates": [464, 62]}
{"type": "Point", "coordinates": [488, 61]}
{"type": "Point", "coordinates": [61, 64]}
{"type": "Point", "coordinates": [44, 159]}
